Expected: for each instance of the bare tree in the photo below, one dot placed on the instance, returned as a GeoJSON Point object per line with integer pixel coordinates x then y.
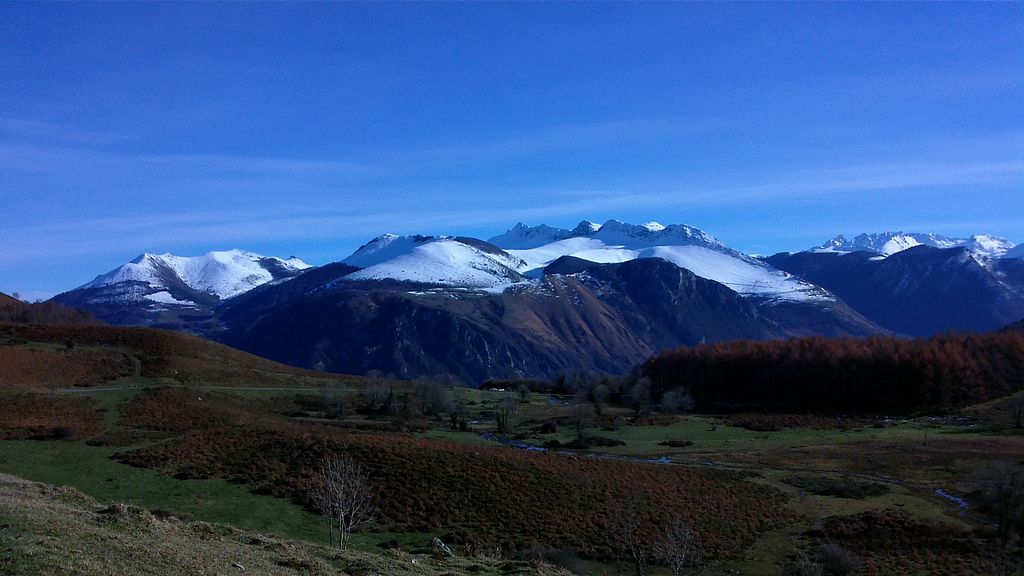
{"type": "Point", "coordinates": [677, 547]}
{"type": "Point", "coordinates": [630, 523]}
{"type": "Point", "coordinates": [523, 390]}
{"type": "Point", "coordinates": [580, 414]}
{"type": "Point", "coordinates": [1001, 491]}
{"type": "Point", "coordinates": [432, 395]}
{"type": "Point", "coordinates": [1015, 410]}
{"type": "Point", "coordinates": [837, 561]}
{"type": "Point", "coordinates": [640, 396]}
{"type": "Point", "coordinates": [341, 492]}
{"type": "Point", "coordinates": [505, 411]}
{"type": "Point", "coordinates": [676, 401]}
{"type": "Point", "coordinates": [599, 397]}
{"type": "Point", "coordinates": [334, 401]}
{"type": "Point", "coordinates": [458, 411]}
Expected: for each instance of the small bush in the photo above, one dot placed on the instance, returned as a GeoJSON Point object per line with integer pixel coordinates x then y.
{"type": "Point", "coordinates": [62, 433]}
{"type": "Point", "coordinates": [837, 561]}
{"type": "Point", "coordinates": [562, 557]}
{"type": "Point", "coordinates": [838, 487]}
{"type": "Point", "coordinates": [676, 443]}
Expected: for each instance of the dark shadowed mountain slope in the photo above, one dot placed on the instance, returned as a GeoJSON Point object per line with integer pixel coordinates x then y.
{"type": "Point", "coordinates": [919, 291]}
{"type": "Point", "coordinates": [605, 317]}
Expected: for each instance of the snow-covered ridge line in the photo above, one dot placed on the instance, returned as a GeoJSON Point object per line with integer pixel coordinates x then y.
{"type": "Point", "coordinates": [889, 243]}
{"type": "Point", "coordinates": [224, 274]}
{"type": "Point", "coordinates": [612, 232]}
{"type": "Point", "coordinates": [524, 251]}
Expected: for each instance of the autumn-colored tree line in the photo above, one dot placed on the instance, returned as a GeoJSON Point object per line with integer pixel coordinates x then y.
{"type": "Point", "coordinates": [879, 375]}
{"type": "Point", "coordinates": [49, 312]}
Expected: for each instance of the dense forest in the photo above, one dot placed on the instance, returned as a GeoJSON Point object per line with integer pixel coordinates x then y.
{"type": "Point", "coordinates": [879, 375]}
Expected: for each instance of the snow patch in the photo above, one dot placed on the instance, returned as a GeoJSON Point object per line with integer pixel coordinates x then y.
{"type": "Point", "coordinates": [164, 297]}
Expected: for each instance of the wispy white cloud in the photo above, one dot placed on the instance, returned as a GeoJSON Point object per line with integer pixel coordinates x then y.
{"type": "Point", "coordinates": [221, 228]}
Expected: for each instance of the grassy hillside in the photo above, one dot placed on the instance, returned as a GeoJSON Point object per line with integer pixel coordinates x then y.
{"type": "Point", "coordinates": [48, 356]}
{"type": "Point", "coordinates": [59, 531]}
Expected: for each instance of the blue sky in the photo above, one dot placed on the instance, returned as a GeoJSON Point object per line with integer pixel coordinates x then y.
{"type": "Point", "coordinates": [307, 129]}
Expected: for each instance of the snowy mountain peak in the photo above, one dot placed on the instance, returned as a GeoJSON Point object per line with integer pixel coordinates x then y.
{"type": "Point", "coordinates": [223, 274]}
{"type": "Point", "coordinates": [522, 236]}
{"type": "Point", "coordinates": [442, 260]}
{"type": "Point", "coordinates": [989, 246]}
{"type": "Point", "coordinates": [384, 247]}
{"type": "Point", "coordinates": [585, 228]}
{"type": "Point", "coordinates": [835, 242]}
{"type": "Point", "coordinates": [687, 247]}
{"type": "Point", "coordinates": [615, 232]}
{"type": "Point", "coordinates": [889, 243]}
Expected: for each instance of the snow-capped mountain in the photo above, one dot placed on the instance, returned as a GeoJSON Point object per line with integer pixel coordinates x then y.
{"type": "Point", "coordinates": [155, 288]}
{"type": "Point", "coordinates": [922, 290]}
{"type": "Point", "coordinates": [594, 297]}
{"type": "Point", "coordinates": [224, 274]}
{"type": "Point", "coordinates": [889, 243]}
{"type": "Point", "coordinates": [443, 260]}
{"type": "Point", "coordinates": [524, 251]}
{"type": "Point", "coordinates": [684, 246]}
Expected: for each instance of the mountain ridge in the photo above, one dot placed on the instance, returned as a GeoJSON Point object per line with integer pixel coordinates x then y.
{"type": "Point", "coordinates": [889, 243]}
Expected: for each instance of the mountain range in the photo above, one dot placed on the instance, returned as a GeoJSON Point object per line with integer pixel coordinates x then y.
{"type": "Point", "coordinates": [536, 301]}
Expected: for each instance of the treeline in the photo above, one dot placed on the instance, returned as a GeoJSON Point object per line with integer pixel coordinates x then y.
{"type": "Point", "coordinates": [879, 375]}
{"type": "Point", "coordinates": [17, 312]}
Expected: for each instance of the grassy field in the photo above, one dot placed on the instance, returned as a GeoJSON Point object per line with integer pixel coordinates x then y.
{"type": "Point", "coordinates": [910, 457]}
{"type": "Point", "coordinates": [91, 470]}
{"type": "Point", "coordinates": [53, 531]}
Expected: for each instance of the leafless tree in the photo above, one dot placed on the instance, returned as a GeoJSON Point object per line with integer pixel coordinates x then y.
{"type": "Point", "coordinates": [640, 396]}
{"type": "Point", "coordinates": [505, 411]}
{"type": "Point", "coordinates": [837, 561]}
{"type": "Point", "coordinates": [341, 492]}
{"type": "Point", "coordinates": [629, 526]}
{"type": "Point", "coordinates": [676, 401]}
{"type": "Point", "coordinates": [524, 392]}
{"type": "Point", "coordinates": [677, 548]}
{"type": "Point", "coordinates": [580, 411]}
{"type": "Point", "coordinates": [458, 411]}
{"type": "Point", "coordinates": [599, 397]}
{"type": "Point", "coordinates": [432, 395]}
{"type": "Point", "coordinates": [334, 400]}
{"type": "Point", "coordinates": [1001, 491]}
{"type": "Point", "coordinates": [1015, 410]}
{"type": "Point", "coordinates": [377, 397]}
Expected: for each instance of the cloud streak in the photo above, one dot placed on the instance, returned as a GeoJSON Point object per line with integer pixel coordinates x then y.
{"type": "Point", "coordinates": [74, 237]}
